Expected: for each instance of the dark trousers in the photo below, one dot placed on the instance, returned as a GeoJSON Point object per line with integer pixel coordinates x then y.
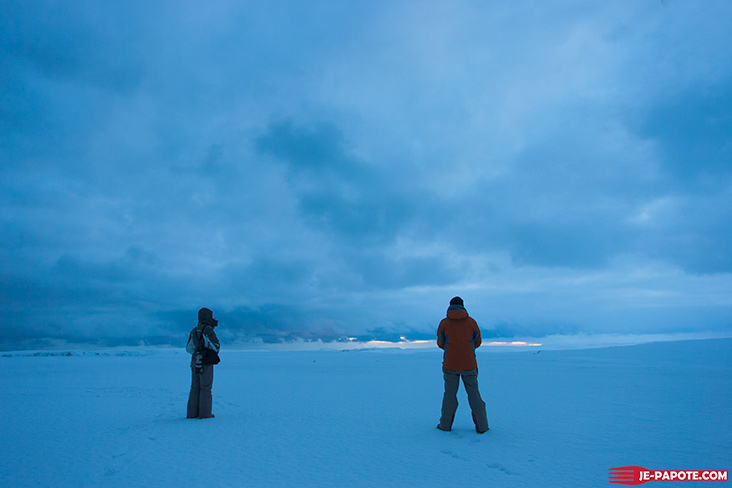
{"type": "Point", "coordinates": [200, 400]}
{"type": "Point", "coordinates": [450, 402]}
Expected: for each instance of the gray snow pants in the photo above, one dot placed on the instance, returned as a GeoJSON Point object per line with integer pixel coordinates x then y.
{"type": "Point", "coordinates": [200, 400]}
{"type": "Point", "coordinates": [450, 402]}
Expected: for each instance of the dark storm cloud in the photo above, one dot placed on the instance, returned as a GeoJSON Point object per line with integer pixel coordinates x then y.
{"type": "Point", "coordinates": [335, 170]}
{"type": "Point", "coordinates": [694, 132]}
{"type": "Point", "coordinates": [336, 191]}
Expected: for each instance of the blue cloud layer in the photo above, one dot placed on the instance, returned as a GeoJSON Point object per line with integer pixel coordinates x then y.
{"type": "Point", "coordinates": [337, 170]}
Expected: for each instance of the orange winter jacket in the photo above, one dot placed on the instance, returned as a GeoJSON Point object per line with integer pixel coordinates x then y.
{"type": "Point", "coordinates": [459, 336]}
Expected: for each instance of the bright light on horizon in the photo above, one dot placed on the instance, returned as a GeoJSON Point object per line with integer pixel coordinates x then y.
{"type": "Point", "coordinates": [515, 344]}
{"type": "Point", "coordinates": [404, 342]}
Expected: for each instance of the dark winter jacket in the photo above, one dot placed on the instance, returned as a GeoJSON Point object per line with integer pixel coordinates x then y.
{"type": "Point", "coordinates": [459, 335]}
{"type": "Point", "coordinates": [203, 338]}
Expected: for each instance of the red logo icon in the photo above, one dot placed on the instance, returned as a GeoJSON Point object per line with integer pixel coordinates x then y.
{"type": "Point", "coordinates": [636, 475]}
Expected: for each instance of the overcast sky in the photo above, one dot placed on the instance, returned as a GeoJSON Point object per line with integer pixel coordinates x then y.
{"type": "Point", "coordinates": [328, 169]}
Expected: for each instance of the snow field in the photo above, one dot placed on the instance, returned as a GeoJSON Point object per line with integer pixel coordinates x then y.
{"type": "Point", "coordinates": [364, 418]}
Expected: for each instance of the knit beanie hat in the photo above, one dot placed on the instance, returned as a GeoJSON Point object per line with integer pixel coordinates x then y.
{"type": "Point", "coordinates": [456, 301]}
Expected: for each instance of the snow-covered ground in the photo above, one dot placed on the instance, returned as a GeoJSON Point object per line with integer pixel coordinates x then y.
{"type": "Point", "coordinates": [364, 418]}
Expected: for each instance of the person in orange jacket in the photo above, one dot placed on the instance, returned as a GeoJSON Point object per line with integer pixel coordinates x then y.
{"type": "Point", "coordinates": [459, 335]}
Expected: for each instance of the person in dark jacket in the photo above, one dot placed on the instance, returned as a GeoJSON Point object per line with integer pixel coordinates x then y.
{"type": "Point", "coordinates": [203, 345]}
{"type": "Point", "coordinates": [458, 334]}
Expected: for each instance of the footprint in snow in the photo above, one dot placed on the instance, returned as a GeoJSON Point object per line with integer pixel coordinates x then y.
{"type": "Point", "coordinates": [499, 468]}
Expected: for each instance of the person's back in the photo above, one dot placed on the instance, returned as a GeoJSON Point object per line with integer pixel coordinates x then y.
{"type": "Point", "coordinates": [458, 334]}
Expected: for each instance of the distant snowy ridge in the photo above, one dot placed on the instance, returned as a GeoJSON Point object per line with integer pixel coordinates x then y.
{"type": "Point", "coordinates": [26, 354]}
